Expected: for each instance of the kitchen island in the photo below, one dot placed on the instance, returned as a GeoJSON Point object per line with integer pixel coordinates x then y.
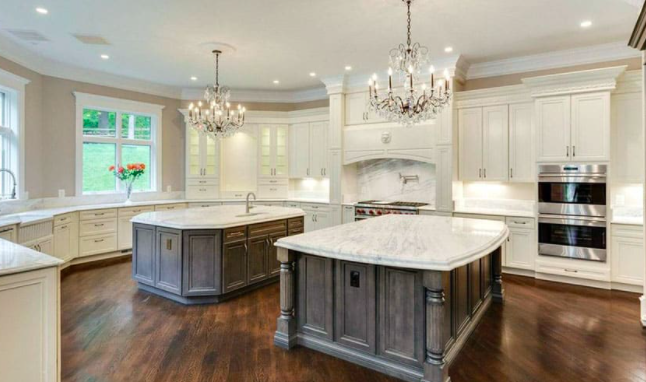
{"type": "Point", "coordinates": [397, 294]}
{"type": "Point", "coordinates": [207, 255]}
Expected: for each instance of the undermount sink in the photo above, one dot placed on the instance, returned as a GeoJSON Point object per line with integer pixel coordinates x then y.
{"type": "Point", "coordinates": [250, 214]}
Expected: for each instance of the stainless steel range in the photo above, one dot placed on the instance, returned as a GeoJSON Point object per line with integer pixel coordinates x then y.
{"type": "Point", "coordinates": [374, 208]}
{"type": "Point", "coordinates": [572, 211]}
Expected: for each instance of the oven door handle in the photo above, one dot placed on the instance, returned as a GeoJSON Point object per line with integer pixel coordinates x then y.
{"type": "Point", "coordinates": [557, 178]}
{"type": "Point", "coordinates": [582, 221]}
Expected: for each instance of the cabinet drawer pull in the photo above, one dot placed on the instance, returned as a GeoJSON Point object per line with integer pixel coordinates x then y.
{"type": "Point", "coordinates": [64, 227]}
{"type": "Point", "coordinates": [99, 240]}
{"type": "Point", "coordinates": [62, 219]}
{"type": "Point", "coordinates": [511, 172]}
{"type": "Point", "coordinates": [571, 270]}
{"type": "Point", "coordinates": [520, 222]}
{"type": "Point", "coordinates": [573, 151]}
{"type": "Point", "coordinates": [99, 214]}
{"type": "Point", "coordinates": [169, 244]}
{"type": "Point", "coordinates": [273, 181]}
{"type": "Point", "coordinates": [202, 181]}
{"type": "Point", "coordinates": [479, 173]}
{"type": "Point", "coordinates": [235, 234]}
{"type": "Point", "coordinates": [567, 151]}
{"type": "Point", "coordinates": [99, 225]}
{"type": "Point", "coordinates": [273, 189]}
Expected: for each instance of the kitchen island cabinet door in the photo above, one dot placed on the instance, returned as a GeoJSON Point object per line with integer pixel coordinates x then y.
{"type": "Point", "coordinates": [201, 273]}
{"type": "Point", "coordinates": [168, 273]}
{"type": "Point", "coordinates": [143, 254]}
{"type": "Point", "coordinates": [234, 265]}
{"type": "Point", "coordinates": [257, 266]}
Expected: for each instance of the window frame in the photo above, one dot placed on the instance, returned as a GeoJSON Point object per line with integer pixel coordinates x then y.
{"type": "Point", "coordinates": [13, 87]}
{"type": "Point", "coordinates": [120, 106]}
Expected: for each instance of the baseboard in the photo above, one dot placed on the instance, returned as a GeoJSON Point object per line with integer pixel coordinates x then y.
{"type": "Point", "coordinates": [574, 281]}
{"type": "Point", "coordinates": [627, 287]}
{"type": "Point", "coordinates": [518, 272]}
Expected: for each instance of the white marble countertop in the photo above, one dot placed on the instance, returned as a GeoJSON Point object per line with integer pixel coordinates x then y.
{"type": "Point", "coordinates": [494, 211]}
{"type": "Point", "coordinates": [35, 216]}
{"type": "Point", "coordinates": [217, 217]}
{"type": "Point", "coordinates": [14, 258]}
{"type": "Point", "coordinates": [417, 242]}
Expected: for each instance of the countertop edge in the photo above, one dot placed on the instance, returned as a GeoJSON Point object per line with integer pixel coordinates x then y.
{"type": "Point", "coordinates": [139, 220]}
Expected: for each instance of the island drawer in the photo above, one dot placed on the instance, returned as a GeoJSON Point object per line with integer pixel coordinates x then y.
{"type": "Point", "coordinates": [296, 226]}
{"type": "Point", "coordinates": [71, 217]}
{"type": "Point", "coordinates": [98, 227]}
{"type": "Point", "coordinates": [134, 211]}
{"type": "Point", "coordinates": [99, 214]}
{"type": "Point", "coordinates": [268, 228]}
{"type": "Point", "coordinates": [235, 234]}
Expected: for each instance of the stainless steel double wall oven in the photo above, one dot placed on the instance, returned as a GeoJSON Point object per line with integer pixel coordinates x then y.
{"type": "Point", "coordinates": [572, 211]}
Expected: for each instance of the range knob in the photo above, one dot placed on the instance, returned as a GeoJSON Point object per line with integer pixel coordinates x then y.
{"type": "Point", "coordinates": [371, 212]}
{"type": "Point", "coordinates": [379, 212]}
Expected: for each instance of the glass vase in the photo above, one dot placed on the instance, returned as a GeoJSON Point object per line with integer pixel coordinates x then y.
{"type": "Point", "coordinates": [128, 192]}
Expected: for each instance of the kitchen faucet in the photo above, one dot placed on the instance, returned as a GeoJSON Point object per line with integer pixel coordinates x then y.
{"type": "Point", "coordinates": [13, 177]}
{"type": "Point", "coordinates": [249, 207]}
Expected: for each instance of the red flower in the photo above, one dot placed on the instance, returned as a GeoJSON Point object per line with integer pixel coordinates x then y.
{"type": "Point", "coordinates": [120, 170]}
{"type": "Point", "coordinates": [111, 168]}
{"type": "Point", "coordinates": [143, 166]}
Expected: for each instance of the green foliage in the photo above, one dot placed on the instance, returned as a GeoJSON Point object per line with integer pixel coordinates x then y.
{"type": "Point", "coordinates": [98, 157]}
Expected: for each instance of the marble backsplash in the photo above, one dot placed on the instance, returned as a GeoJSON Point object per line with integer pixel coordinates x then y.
{"type": "Point", "coordinates": [379, 179]}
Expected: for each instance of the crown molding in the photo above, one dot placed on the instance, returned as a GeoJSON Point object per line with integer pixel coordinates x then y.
{"type": "Point", "coordinates": [629, 82]}
{"type": "Point", "coordinates": [552, 60]}
{"type": "Point", "coordinates": [492, 96]}
{"type": "Point", "coordinates": [575, 82]}
{"type": "Point", "coordinates": [283, 117]}
{"type": "Point", "coordinates": [265, 96]}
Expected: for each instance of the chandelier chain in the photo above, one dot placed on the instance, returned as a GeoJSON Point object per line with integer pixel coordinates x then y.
{"type": "Point", "coordinates": [217, 69]}
{"type": "Point", "coordinates": [408, 2]}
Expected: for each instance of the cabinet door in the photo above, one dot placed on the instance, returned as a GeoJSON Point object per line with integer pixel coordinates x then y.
{"type": "Point", "coordinates": [143, 254]}
{"type": "Point", "coordinates": [309, 223]}
{"type": "Point", "coordinates": [521, 249]}
{"type": "Point", "coordinates": [322, 220]}
{"type": "Point", "coordinates": [257, 259]}
{"type": "Point", "coordinates": [521, 159]}
{"type": "Point", "coordinates": [47, 246]}
{"type": "Point", "coordinates": [553, 129]}
{"type": "Point", "coordinates": [124, 226]}
{"type": "Point", "coordinates": [265, 160]}
{"type": "Point", "coordinates": [318, 149]}
{"type": "Point", "coordinates": [168, 258]}
{"type": "Point", "coordinates": [591, 127]}
{"type": "Point", "coordinates": [628, 260]}
{"type": "Point", "coordinates": [9, 235]}
{"type": "Point", "coordinates": [299, 159]}
{"type": "Point", "coordinates": [348, 214]}
{"type": "Point", "coordinates": [234, 266]}
{"type": "Point", "coordinates": [627, 138]}
{"type": "Point", "coordinates": [201, 263]}
{"type": "Point", "coordinates": [495, 131]}
{"type": "Point", "coordinates": [63, 242]}
{"type": "Point", "coordinates": [280, 151]}
{"type": "Point", "coordinates": [356, 107]}
{"type": "Point", "coordinates": [193, 154]}
{"type": "Point", "coordinates": [272, 254]}
{"type": "Point", "coordinates": [211, 157]}
{"type": "Point", "coordinates": [470, 143]}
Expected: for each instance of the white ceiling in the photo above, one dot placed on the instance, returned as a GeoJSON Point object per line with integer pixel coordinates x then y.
{"type": "Point", "coordinates": [163, 41]}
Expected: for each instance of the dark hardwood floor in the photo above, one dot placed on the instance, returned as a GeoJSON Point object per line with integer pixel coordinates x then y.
{"type": "Point", "coordinates": [544, 332]}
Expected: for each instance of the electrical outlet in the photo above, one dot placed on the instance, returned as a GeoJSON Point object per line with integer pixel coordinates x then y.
{"type": "Point", "coordinates": [169, 188]}
{"type": "Point", "coordinates": [61, 193]}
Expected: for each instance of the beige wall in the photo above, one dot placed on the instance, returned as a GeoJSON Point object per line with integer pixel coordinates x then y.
{"type": "Point", "coordinates": [515, 79]}
{"type": "Point", "coordinates": [260, 106]}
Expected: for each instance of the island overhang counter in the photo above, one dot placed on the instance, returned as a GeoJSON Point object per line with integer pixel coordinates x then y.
{"type": "Point", "coordinates": [398, 294]}
{"type": "Point", "coordinates": [207, 255]}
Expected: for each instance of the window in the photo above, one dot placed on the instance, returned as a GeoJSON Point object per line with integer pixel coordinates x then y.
{"type": "Point", "coordinates": [116, 132]}
{"type": "Point", "coordinates": [12, 90]}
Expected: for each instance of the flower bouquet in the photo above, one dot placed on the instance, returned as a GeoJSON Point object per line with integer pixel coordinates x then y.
{"type": "Point", "coordinates": [128, 175]}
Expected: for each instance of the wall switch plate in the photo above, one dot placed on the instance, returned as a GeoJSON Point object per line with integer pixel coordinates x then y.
{"type": "Point", "coordinates": [169, 188]}
{"type": "Point", "coordinates": [61, 193]}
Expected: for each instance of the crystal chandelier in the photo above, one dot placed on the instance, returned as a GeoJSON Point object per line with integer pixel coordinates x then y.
{"type": "Point", "coordinates": [419, 101]}
{"type": "Point", "coordinates": [216, 119]}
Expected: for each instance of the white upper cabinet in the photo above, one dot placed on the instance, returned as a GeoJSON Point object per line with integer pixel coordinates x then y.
{"type": "Point", "coordinates": [495, 143]}
{"type": "Point", "coordinates": [203, 155]}
{"type": "Point", "coordinates": [272, 154]}
{"type": "Point", "coordinates": [309, 150]}
{"type": "Point", "coordinates": [574, 128]}
{"type": "Point", "coordinates": [470, 143]}
{"type": "Point", "coordinates": [627, 138]}
{"type": "Point", "coordinates": [483, 143]}
{"type": "Point", "coordinates": [521, 158]}
{"type": "Point", "coordinates": [299, 146]}
{"type": "Point", "coordinates": [357, 111]}
{"type": "Point", "coordinates": [318, 149]}
{"type": "Point", "coordinates": [553, 120]}
{"type": "Point", "coordinates": [591, 127]}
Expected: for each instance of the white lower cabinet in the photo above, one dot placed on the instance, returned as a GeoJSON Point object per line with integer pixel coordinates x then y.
{"type": "Point", "coordinates": [348, 214]}
{"type": "Point", "coordinates": [66, 238]}
{"type": "Point", "coordinates": [627, 254]}
{"type": "Point", "coordinates": [8, 233]}
{"type": "Point", "coordinates": [98, 231]}
{"type": "Point", "coordinates": [317, 216]}
{"type": "Point", "coordinates": [29, 322]}
{"type": "Point", "coordinates": [44, 245]}
{"type": "Point", "coordinates": [124, 226]}
{"type": "Point", "coordinates": [521, 247]}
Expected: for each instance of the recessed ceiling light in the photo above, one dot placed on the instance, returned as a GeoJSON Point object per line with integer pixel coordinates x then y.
{"type": "Point", "coordinates": [312, 74]}
{"type": "Point", "coordinates": [193, 78]}
{"type": "Point", "coordinates": [42, 11]}
{"type": "Point", "coordinates": [586, 24]}
{"type": "Point", "coordinates": [348, 67]}
{"type": "Point", "coordinates": [448, 49]}
{"type": "Point", "coordinates": [105, 56]}
{"type": "Point", "coordinates": [276, 82]}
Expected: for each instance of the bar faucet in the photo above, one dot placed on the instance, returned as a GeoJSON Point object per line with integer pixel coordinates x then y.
{"type": "Point", "coordinates": [13, 177]}
{"type": "Point", "coordinates": [249, 207]}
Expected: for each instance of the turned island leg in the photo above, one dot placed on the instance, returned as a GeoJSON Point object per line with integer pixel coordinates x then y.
{"type": "Point", "coordinates": [498, 291]}
{"type": "Point", "coordinates": [285, 336]}
{"type": "Point", "coordinates": [435, 367]}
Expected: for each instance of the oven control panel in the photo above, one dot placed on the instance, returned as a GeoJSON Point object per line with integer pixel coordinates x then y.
{"type": "Point", "coordinates": [366, 212]}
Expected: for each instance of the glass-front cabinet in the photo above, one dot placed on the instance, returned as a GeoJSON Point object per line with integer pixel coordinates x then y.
{"type": "Point", "coordinates": [203, 153]}
{"type": "Point", "coordinates": [273, 150]}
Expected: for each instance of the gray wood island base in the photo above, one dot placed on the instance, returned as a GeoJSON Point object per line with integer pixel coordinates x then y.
{"type": "Point", "coordinates": [200, 266]}
{"type": "Point", "coordinates": [405, 322]}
